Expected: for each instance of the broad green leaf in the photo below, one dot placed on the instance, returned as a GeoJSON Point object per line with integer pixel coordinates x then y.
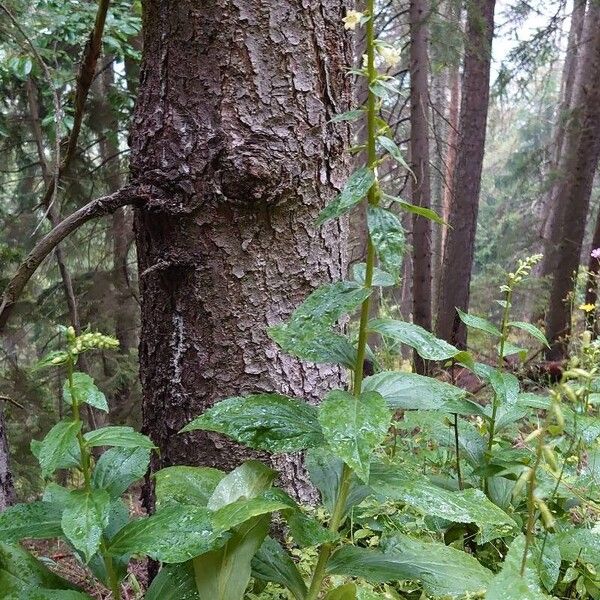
{"type": "Point", "coordinates": [510, 349]}
{"type": "Point", "coordinates": [579, 543]}
{"type": "Point", "coordinates": [174, 582]}
{"type": "Point", "coordinates": [36, 521]}
{"type": "Point", "coordinates": [118, 468]}
{"type": "Point", "coordinates": [85, 391]}
{"type": "Point", "coordinates": [269, 422]}
{"type": "Point", "coordinates": [466, 506]}
{"type": "Point", "coordinates": [442, 570]}
{"type": "Point", "coordinates": [410, 391]}
{"type": "Point", "coordinates": [224, 574]}
{"type": "Point", "coordinates": [508, 584]}
{"type": "Point", "coordinates": [85, 518]}
{"type": "Point", "coordinates": [354, 427]}
{"type": "Point", "coordinates": [350, 115]}
{"type": "Point", "coordinates": [247, 481]}
{"type": "Point", "coordinates": [56, 494]}
{"type": "Point", "coordinates": [480, 323]}
{"type": "Point", "coordinates": [273, 563]}
{"type": "Point", "coordinates": [356, 188]}
{"type": "Point", "coordinates": [417, 210]}
{"type": "Point", "coordinates": [57, 444]}
{"type": "Point", "coordinates": [34, 593]}
{"type": "Point", "coordinates": [306, 531]}
{"type": "Point", "coordinates": [393, 150]}
{"type": "Point", "coordinates": [185, 485]}
{"type": "Point", "coordinates": [307, 334]}
{"type": "Point", "coordinates": [343, 592]}
{"type": "Point", "coordinates": [380, 277]}
{"type": "Point", "coordinates": [122, 437]}
{"type": "Point", "coordinates": [531, 330]}
{"type": "Point", "coordinates": [546, 558]}
{"type": "Point", "coordinates": [387, 236]}
{"type": "Point", "coordinates": [505, 385]}
{"type": "Point", "coordinates": [71, 458]}
{"type": "Point", "coordinates": [244, 509]}
{"type": "Point", "coordinates": [425, 343]}
{"type": "Point", "coordinates": [172, 535]}
{"type": "Point", "coordinates": [326, 473]}
{"type": "Point", "coordinates": [26, 571]}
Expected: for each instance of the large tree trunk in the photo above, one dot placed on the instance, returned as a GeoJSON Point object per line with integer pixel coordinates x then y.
{"type": "Point", "coordinates": [419, 155]}
{"type": "Point", "coordinates": [460, 239]}
{"type": "Point", "coordinates": [230, 136]}
{"type": "Point", "coordinates": [578, 164]}
{"type": "Point", "coordinates": [551, 211]}
{"type": "Point", "coordinates": [6, 485]}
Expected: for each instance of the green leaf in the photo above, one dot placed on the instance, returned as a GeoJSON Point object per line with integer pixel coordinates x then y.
{"type": "Point", "coordinates": [356, 188]}
{"type": "Point", "coordinates": [269, 422]}
{"type": "Point", "coordinates": [57, 444]}
{"type": "Point", "coordinates": [442, 570]}
{"type": "Point", "coordinates": [85, 391]}
{"type": "Point", "coordinates": [480, 323]}
{"type": "Point", "coordinates": [417, 210]}
{"type": "Point", "coordinates": [342, 592]}
{"type": "Point", "coordinates": [84, 519]}
{"type": "Point", "coordinates": [273, 563]}
{"type": "Point", "coordinates": [547, 559]}
{"type": "Point", "coordinates": [306, 531]}
{"type": "Point", "coordinates": [531, 330]}
{"type": "Point", "coordinates": [387, 235]}
{"type": "Point", "coordinates": [380, 278]}
{"type": "Point", "coordinates": [409, 391]}
{"type": "Point", "coordinates": [575, 544]}
{"type": "Point", "coordinates": [350, 115]}
{"type": "Point", "coordinates": [25, 571]}
{"type": "Point", "coordinates": [354, 427]}
{"type": "Point", "coordinates": [307, 334]}
{"type": "Point", "coordinates": [467, 506]}
{"type": "Point", "coordinates": [172, 535]}
{"type": "Point", "coordinates": [186, 485]}
{"type": "Point", "coordinates": [244, 509]}
{"type": "Point", "coordinates": [52, 359]}
{"type": "Point", "coordinates": [224, 574]}
{"type": "Point", "coordinates": [71, 458]}
{"type": "Point", "coordinates": [249, 480]}
{"type": "Point", "coordinates": [174, 582]}
{"type": "Point", "coordinates": [508, 584]}
{"type": "Point", "coordinates": [122, 437]}
{"type": "Point", "coordinates": [505, 385]}
{"type": "Point", "coordinates": [326, 473]}
{"type": "Point", "coordinates": [36, 521]}
{"type": "Point", "coordinates": [426, 344]}
{"type": "Point", "coordinates": [118, 468]}
{"type": "Point", "coordinates": [394, 151]}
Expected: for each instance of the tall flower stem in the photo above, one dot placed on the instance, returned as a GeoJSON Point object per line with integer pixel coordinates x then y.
{"type": "Point", "coordinates": [373, 198]}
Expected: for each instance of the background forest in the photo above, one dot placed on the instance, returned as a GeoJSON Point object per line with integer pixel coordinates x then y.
{"type": "Point", "coordinates": [387, 210]}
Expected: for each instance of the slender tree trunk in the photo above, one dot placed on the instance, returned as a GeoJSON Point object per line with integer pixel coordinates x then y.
{"type": "Point", "coordinates": [591, 289]}
{"type": "Point", "coordinates": [552, 213]}
{"type": "Point", "coordinates": [6, 484]}
{"type": "Point", "coordinates": [419, 153]}
{"type": "Point", "coordinates": [578, 164]}
{"type": "Point", "coordinates": [460, 239]}
{"type": "Point", "coordinates": [230, 135]}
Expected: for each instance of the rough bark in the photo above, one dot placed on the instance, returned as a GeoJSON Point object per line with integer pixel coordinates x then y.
{"type": "Point", "coordinates": [578, 164]}
{"type": "Point", "coordinates": [419, 153]}
{"type": "Point", "coordinates": [230, 124]}
{"type": "Point", "coordinates": [552, 213]}
{"type": "Point", "coordinates": [6, 485]}
{"type": "Point", "coordinates": [460, 239]}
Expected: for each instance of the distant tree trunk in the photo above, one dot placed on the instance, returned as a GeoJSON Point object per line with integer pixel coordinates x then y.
{"type": "Point", "coordinates": [552, 213]}
{"type": "Point", "coordinates": [419, 154]}
{"type": "Point", "coordinates": [591, 288]}
{"type": "Point", "coordinates": [578, 166]}
{"type": "Point", "coordinates": [6, 484]}
{"type": "Point", "coordinates": [460, 239]}
{"type": "Point", "coordinates": [230, 138]}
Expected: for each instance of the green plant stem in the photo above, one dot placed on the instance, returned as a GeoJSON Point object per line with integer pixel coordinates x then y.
{"type": "Point", "coordinates": [84, 450]}
{"type": "Point", "coordinates": [339, 509]}
{"type": "Point", "coordinates": [113, 578]}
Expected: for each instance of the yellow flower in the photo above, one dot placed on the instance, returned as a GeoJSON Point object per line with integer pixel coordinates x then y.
{"type": "Point", "coordinates": [390, 55]}
{"type": "Point", "coordinates": [587, 307]}
{"type": "Point", "coordinates": [352, 19]}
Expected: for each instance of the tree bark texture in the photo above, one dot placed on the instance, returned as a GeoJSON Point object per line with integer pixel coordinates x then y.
{"type": "Point", "coordinates": [6, 484]}
{"type": "Point", "coordinates": [230, 130]}
{"type": "Point", "coordinates": [459, 244]}
{"type": "Point", "coordinates": [552, 213]}
{"type": "Point", "coordinates": [578, 164]}
{"type": "Point", "coordinates": [419, 154]}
